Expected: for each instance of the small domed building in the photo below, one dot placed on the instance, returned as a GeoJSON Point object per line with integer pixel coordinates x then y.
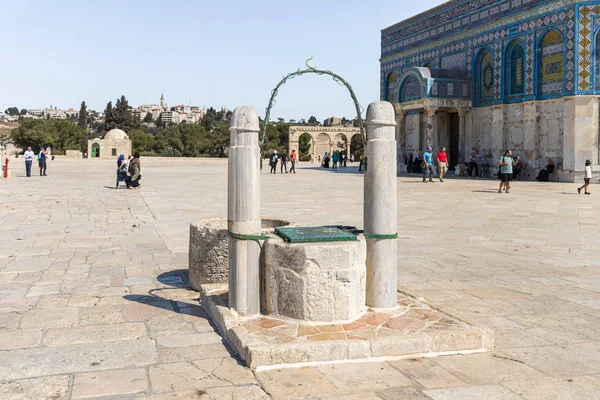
{"type": "Point", "coordinates": [115, 142]}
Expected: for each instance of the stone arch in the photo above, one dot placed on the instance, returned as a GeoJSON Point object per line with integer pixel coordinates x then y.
{"type": "Point", "coordinates": [514, 67]}
{"type": "Point", "coordinates": [340, 143]}
{"type": "Point", "coordinates": [305, 151]}
{"type": "Point", "coordinates": [356, 146]}
{"type": "Point", "coordinates": [551, 63]}
{"type": "Point", "coordinates": [484, 77]}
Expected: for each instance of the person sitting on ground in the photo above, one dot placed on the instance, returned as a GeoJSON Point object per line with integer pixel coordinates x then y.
{"type": "Point", "coordinates": [122, 173]}
{"type": "Point", "coordinates": [544, 175]}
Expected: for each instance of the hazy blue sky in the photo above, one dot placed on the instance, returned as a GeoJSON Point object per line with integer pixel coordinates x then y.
{"type": "Point", "coordinates": [209, 53]}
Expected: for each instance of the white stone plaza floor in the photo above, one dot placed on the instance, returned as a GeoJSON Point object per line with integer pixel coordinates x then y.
{"type": "Point", "coordinates": [94, 301]}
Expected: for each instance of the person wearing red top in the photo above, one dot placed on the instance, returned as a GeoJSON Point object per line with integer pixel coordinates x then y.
{"type": "Point", "coordinates": [294, 160]}
{"type": "Point", "coordinates": [442, 159]}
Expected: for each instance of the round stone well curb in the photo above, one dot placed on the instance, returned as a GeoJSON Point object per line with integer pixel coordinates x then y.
{"type": "Point", "coordinates": [208, 249]}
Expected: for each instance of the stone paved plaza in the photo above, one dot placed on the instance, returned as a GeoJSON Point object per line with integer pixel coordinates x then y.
{"type": "Point", "coordinates": [94, 301]}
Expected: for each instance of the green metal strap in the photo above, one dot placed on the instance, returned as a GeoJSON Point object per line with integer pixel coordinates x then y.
{"type": "Point", "coordinates": [393, 236]}
{"type": "Point", "coordinates": [248, 237]}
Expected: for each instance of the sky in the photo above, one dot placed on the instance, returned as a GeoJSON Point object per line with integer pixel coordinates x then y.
{"type": "Point", "coordinates": [198, 52]}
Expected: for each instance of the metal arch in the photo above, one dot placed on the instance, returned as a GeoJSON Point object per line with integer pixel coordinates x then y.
{"type": "Point", "coordinates": [313, 70]}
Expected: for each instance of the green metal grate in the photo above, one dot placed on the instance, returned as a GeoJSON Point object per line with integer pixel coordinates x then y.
{"type": "Point", "coordinates": [316, 234]}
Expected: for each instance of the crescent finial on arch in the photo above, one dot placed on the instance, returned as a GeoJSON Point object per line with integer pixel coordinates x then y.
{"type": "Point", "coordinates": [308, 66]}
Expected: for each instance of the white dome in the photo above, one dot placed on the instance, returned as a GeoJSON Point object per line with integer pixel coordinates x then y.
{"type": "Point", "coordinates": [116, 134]}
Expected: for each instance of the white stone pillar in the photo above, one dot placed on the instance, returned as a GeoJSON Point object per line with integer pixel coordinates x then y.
{"type": "Point", "coordinates": [431, 126]}
{"type": "Point", "coordinates": [244, 211]}
{"type": "Point", "coordinates": [462, 150]}
{"type": "Point", "coordinates": [380, 214]}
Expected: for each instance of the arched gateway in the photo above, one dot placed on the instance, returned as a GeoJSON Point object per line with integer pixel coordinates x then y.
{"type": "Point", "coordinates": [324, 139]}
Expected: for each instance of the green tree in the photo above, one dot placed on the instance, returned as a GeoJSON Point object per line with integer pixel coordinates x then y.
{"type": "Point", "coordinates": [59, 134]}
{"type": "Point", "coordinates": [83, 116]}
{"type": "Point", "coordinates": [141, 141]}
{"type": "Point", "coordinates": [313, 120]}
{"type": "Point", "coordinates": [23, 111]}
{"type": "Point", "coordinates": [12, 111]}
{"type": "Point", "coordinates": [304, 145]}
{"type": "Point", "coordinates": [159, 121]}
{"type": "Point", "coordinates": [122, 117]}
{"type": "Point", "coordinates": [108, 117]}
{"type": "Point", "coordinates": [148, 118]}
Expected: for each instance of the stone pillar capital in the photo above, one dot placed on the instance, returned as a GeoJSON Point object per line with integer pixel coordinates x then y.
{"type": "Point", "coordinates": [462, 112]}
{"type": "Point", "coordinates": [431, 110]}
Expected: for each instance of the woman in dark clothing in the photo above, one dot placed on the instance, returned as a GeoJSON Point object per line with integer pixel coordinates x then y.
{"type": "Point", "coordinates": [544, 175]}
{"type": "Point", "coordinates": [135, 169]}
{"type": "Point", "coordinates": [517, 169]}
{"type": "Point", "coordinates": [409, 163]}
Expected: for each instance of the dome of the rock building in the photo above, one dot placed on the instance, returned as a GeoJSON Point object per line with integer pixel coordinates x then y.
{"type": "Point", "coordinates": [116, 134]}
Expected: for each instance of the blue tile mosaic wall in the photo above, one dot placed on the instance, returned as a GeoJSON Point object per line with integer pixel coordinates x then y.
{"type": "Point", "coordinates": [540, 68]}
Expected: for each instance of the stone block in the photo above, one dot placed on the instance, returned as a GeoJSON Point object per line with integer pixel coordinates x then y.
{"type": "Point", "coordinates": [319, 282]}
{"type": "Point", "coordinates": [208, 249]}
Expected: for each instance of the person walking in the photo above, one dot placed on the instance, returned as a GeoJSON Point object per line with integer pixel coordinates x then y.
{"type": "Point", "coordinates": [28, 160]}
{"type": "Point", "coordinates": [506, 164]}
{"type": "Point", "coordinates": [284, 159]}
{"type": "Point", "coordinates": [442, 159]}
{"type": "Point", "coordinates": [42, 155]}
{"type": "Point", "coordinates": [273, 162]}
{"type": "Point", "coordinates": [362, 159]}
{"type": "Point", "coordinates": [293, 161]}
{"type": "Point", "coordinates": [473, 162]}
{"type": "Point", "coordinates": [587, 178]}
{"type": "Point", "coordinates": [335, 158]}
{"type": "Point", "coordinates": [427, 164]}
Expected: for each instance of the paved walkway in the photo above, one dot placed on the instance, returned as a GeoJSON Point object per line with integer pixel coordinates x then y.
{"type": "Point", "coordinates": [94, 300]}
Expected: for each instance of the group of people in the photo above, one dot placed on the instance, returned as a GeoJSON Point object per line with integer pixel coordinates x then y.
{"type": "Point", "coordinates": [336, 160]}
{"type": "Point", "coordinates": [275, 158]}
{"type": "Point", "coordinates": [42, 160]}
{"type": "Point", "coordinates": [131, 174]}
{"type": "Point", "coordinates": [426, 164]}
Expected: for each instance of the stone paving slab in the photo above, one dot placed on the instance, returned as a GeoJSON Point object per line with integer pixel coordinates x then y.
{"type": "Point", "coordinates": [537, 251]}
{"type": "Point", "coordinates": [412, 329]}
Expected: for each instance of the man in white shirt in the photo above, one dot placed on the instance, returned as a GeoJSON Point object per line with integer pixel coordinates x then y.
{"type": "Point", "coordinates": [29, 155]}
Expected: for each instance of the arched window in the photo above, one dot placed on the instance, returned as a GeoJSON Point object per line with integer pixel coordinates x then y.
{"type": "Point", "coordinates": [515, 70]}
{"type": "Point", "coordinates": [552, 64]}
{"type": "Point", "coordinates": [391, 88]}
{"type": "Point", "coordinates": [484, 78]}
{"type": "Point", "coordinates": [411, 89]}
{"type": "Point", "coordinates": [597, 74]}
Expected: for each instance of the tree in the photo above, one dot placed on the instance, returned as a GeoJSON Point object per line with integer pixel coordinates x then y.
{"type": "Point", "coordinates": [159, 121]}
{"type": "Point", "coordinates": [12, 111]}
{"type": "Point", "coordinates": [280, 120]}
{"type": "Point", "coordinates": [141, 141]}
{"type": "Point", "coordinates": [108, 118]}
{"type": "Point", "coordinates": [83, 116]}
{"type": "Point", "coordinates": [59, 134]}
{"type": "Point", "coordinates": [23, 111]}
{"type": "Point", "coordinates": [313, 120]}
{"type": "Point", "coordinates": [119, 116]}
{"type": "Point", "coordinates": [148, 118]}
{"type": "Point", "coordinates": [304, 144]}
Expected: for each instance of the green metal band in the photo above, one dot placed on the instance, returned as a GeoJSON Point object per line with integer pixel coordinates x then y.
{"type": "Point", "coordinates": [248, 237]}
{"type": "Point", "coordinates": [393, 236]}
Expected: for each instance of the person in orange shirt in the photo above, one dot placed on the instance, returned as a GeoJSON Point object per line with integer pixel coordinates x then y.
{"type": "Point", "coordinates": [442, 159]}
{"type": "Point", "coordinates": [293, 160]}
